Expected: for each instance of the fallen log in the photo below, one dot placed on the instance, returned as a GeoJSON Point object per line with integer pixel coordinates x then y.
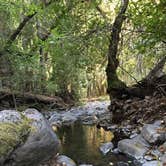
{"type": "Point", "coordinates": [149, 85]}
{"type": "Point", "coordinates": [9, 99]}
{"type": "Point", "coordinates": [156, 72]}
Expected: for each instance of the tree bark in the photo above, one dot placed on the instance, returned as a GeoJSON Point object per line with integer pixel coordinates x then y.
{"type": "Point", "coordinates": [115, 86]}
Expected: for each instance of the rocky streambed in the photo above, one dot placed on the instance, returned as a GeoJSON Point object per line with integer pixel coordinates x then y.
{"type": "Point", "coordinates": [89, 114]}
{"type": "Point", "coordinates": [82, 136]}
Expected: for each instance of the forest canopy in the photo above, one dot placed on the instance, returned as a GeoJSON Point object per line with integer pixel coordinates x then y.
{"type": "Point", "coordinates": [60, 47]}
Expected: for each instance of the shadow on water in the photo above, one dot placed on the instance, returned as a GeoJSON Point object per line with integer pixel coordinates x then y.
{"type": "Point", "coordinates": [81, 143]}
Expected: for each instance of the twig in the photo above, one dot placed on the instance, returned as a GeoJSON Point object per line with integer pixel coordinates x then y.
{"type": "Point", "coordinates": [14, 101]}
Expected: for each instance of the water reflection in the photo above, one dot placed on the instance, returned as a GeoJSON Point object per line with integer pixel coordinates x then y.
{"type": "Point", "coordinates": [82, 143]}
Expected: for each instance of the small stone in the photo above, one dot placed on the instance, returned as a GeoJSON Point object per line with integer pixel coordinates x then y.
{"type": "Point", "coordinates": [62, 159]}
{"type": "Point", "coordinates": [110, 163]}
{"type": "Point", "coordinates": [148, 157]}
{"type": "Point", "coordinates": [115, 151]}
{"type": "Point", "coordinates": [162, 148]}
{"type": "Point", "coordinates": [129, 126]}
{"type": "Point", "coordinates": [152, 163]}
{"type": "Point", "coordinates": [137, 163]}
{"type": "Point", "coordinates": [156, 153]}
{"type": "Point", "coordinates": [112, 127]}
{"type": "Point", "coordinates": [106, 147]}
{"type": "Point", "coordinates": [133, 135]}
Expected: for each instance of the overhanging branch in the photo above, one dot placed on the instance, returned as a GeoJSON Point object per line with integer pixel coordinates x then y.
{"type": "Point", "coordinates": [14, 35]}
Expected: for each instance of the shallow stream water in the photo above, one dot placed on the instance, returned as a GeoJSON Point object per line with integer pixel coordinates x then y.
{"type": "Point", "coordinates": [81, 143]}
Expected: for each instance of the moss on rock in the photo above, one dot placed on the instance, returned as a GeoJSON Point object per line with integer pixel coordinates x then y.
{"type": "Point", "coordinates": [12, 135]}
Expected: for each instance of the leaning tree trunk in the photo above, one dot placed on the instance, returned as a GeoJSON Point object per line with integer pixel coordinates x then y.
{"type": "Point", "coordinates": [115, 85]}
{"type": "Point", "coordinates": [155, 81]}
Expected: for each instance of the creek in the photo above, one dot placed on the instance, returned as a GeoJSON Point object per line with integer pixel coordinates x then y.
{"type": "Point", "coordinates": [82, 142]}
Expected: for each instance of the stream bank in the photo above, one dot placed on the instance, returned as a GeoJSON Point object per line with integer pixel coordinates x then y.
{"type": "Point", "coordinates": [97, 113]}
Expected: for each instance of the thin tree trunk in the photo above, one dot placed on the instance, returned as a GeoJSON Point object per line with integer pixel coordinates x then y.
{"type": "Point", "coordinates": [114, 84]}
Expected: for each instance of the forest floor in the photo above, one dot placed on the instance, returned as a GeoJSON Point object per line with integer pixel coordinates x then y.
{"type": "Point", "coordinates": [139, 111]}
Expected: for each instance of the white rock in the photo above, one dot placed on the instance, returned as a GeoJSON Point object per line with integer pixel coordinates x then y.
{"type": "Point", "coordinates": [135, 147]}
{"type": "Point", "coordinates": [62, 159]}
{"type": "Point", "coordinates": [152, 163]}
{"type": "Point", "coordinates": [151, 134]}
{"type": "Point", "coordinates": [106, 147]}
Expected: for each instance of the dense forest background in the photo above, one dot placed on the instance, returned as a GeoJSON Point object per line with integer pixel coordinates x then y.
{"type": "Point", "coordinates": [60, 47]}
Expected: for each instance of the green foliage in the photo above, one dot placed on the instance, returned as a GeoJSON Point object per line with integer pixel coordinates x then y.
{"type": "Point", "coordinates": [149, 17]}
{"type": "Point", "coordinates": [63, 48]}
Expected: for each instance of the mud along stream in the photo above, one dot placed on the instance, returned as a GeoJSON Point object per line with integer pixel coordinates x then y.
{"type": "Point", "coordinates": [81, 137]}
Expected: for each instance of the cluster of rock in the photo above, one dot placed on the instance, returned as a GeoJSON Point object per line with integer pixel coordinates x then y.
{"type": "Point", "coordinates": [92, 113]}
{"type": "Point", "coordinates": [148, 147]}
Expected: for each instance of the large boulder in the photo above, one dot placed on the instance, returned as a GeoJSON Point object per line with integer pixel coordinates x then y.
{"type": "Point", "coordinates": [136, 147]}
{"type": "Point", "coordinates": [33, 142]}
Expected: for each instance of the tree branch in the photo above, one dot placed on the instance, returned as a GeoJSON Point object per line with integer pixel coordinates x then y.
{"type": "Point", "coordinates": [14, 35]}
{"type": "Point", "coordinates": [20, 27]}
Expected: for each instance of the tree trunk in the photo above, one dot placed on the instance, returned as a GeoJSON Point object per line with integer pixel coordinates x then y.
{"type": "Point", "coordinates": [115, 86]}
{"type": "Point", "coordinates": [118, 89]}
{"type": "Point", "coordinates": [153, 82]}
